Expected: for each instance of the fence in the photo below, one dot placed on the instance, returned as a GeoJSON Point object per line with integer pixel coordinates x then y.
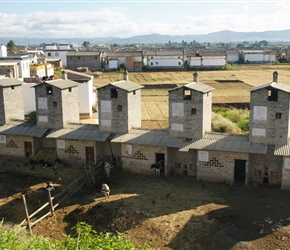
{"type": "Point", "coordinates": [70, 190]}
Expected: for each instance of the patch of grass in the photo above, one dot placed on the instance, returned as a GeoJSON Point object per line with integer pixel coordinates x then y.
{"type": "Point", "coordinates": [231, 119]}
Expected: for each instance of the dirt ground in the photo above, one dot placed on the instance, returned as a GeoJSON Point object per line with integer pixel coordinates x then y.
{"type": "Point", "coordinates": [174, 212]}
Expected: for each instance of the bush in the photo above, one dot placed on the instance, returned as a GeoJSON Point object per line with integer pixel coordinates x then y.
{"type": "Point", "coordinates": [240, 117]}
{"type": "Point", "coordinates": [85, 238]}
{"type": "Point", "coordinates": [224, 125]}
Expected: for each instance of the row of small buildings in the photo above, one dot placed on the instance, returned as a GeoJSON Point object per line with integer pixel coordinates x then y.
{"type": "Point", "coordinates": [187, 147]}
{"type": "Point", "coordinates": [139, 60]}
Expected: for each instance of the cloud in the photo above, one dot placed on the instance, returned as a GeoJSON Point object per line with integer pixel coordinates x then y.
{"type": "Point", "coordinates": [113, 21]}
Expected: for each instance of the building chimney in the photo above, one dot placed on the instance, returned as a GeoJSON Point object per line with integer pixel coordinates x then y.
{"type": "Point", "coordinates": [126, 76]}
{"type": "Point", "coordinates": [64, 75]}
{"type": "Point", "coordinates": [10, 73]}
{"type": "Point", "coordinates": [275, 76]}
{"type": "Point", "coordinates": [195, 77]}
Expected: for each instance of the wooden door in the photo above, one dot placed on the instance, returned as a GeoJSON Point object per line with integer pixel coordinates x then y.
{"type": "Point", "coordinates": [28, 149]}
{"type": "Point", "coordinates": [90, 155]}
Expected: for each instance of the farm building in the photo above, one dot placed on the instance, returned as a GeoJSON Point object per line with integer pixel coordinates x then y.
{"type": "Point", "coordinates": [188, 147]}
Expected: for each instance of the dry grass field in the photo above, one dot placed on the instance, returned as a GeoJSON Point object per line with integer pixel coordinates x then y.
{"type": "Point", "coordinates": [230, 86]}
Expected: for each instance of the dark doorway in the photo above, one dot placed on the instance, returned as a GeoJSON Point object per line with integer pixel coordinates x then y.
{"type": "Point", "coordinates": [28, 149]}
{"type": "Point", "coordinates": [89, 155]}
{"type": "Point", "coordinates": [160, 157]}
{"type": "Point", "coordinates": [240, 171]}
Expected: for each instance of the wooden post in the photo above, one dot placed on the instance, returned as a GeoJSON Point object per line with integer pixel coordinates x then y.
{"type": "Point", "coordinates": [50, 203]}
{"type": "Point", "coordinates": [26, 213]}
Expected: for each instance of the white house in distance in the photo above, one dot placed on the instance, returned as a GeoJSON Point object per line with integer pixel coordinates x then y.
{"type": "Point", "coordinates": [87, 94]}
{"type": "Point", "coordinates": [58, 52]}
{"type": "Point", "coordinates": [17, 65]}
{"type": "Point", "coordinates": [206, 58]}
{"type": "Point", "coordinates": [164, 59]}
{"type": "Point", "coordinates": [257, 56]}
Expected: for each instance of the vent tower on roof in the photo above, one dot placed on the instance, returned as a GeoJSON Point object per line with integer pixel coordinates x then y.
{"type": "Point", "coordinates": [275, 76]}
{"type": "Point", "coordinates": [195, 77]}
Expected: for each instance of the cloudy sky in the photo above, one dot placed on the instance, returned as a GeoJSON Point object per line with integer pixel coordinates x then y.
{"type": "Point", "coordinates": [96, 18]}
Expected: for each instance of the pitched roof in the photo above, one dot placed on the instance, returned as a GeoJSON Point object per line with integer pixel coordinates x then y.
{"type": "Point", "coordinates": [275, 85]}
{"type": "Point", "coordinates": [25, 128]}
{"type": "Point", "coordinates": [197, 86]}
{"type": "Point", "coordinates": [85, 132]}
{"type": "Point", "coordinates": [226, 142]}
{"type": "Point", "coordinates": [8, 82]}
{"type": "Point", "coordinates": [125, 85]}
{"type": "Point", "coordinates": [159, 138]}
{"type": "Point", "coordinates": [60, 83]}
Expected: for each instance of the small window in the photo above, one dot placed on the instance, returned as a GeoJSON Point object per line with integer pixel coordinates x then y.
{"type": "Point", "coordinates": [274, 174]}
{"type": "Point", "coordinates": [79, 57]}
{"type": "Point", "coordinates": [151, 64]}
{"type": "Point", "coordinates": [156, 63]}
{"type": "Point", "coordinates": [258, 172]}
{"type": "Point", "coordinates": [186, 94]}
{"type": "Point", "coordinates": [134, 92]}
{"type": "Point", "coordinates": [69, 89]}
{"type": "Point", "coordinates": [120, 107]}
{"type": "Point", "coordinates": [193, 111]}
{"type": "Point", "coordinates": [48, 54]}
{"type": "Point", "coordinates": [49, 90]}
{"type": "Point", "coordinates": [114, 93]}
{"type": "Point", "coordinates": [55, 104]}
{"type": "Point", "coordinates": [179, 63]}
{"type": "Point", "coordinates": [278, 115]}
{"type": "Point", "coordinates": [151, 57]}
{"type": "Point", "coordinates": [12, 87]}
{"type": "Point", "coordinates": [179, 57]}
{"type": "Point", "coordinates": [273, 95]}
{"type": "Point", "coordinates": [177, 165]}
{"type": "Point", "coordinates": [96, 58]}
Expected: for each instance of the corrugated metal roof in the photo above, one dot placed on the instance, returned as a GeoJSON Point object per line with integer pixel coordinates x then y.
{"type": "Point", "coordinates": [197, 86]}
{"type": "Point", "coordinates": [8, 82]}
{"type": "Point", "coordinates": [60, 83]}
{"type": "Point", "coordinates": [127, 85]}
{"type": "Point", "coordinates": [274, 85]}
{"type": "Point", "coordinates": [283, 150]}
{"type": "Point", "coordinates": [227, 142]}
{"type": "Point", "coordinates": [150, 137]}
{"type": "Point", "coordinates": [85, 132]}
{"type": "Point", "coordinates": [25, 128]}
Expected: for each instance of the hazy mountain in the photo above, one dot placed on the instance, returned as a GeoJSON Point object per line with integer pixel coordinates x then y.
{"type": "Point", "coordinates": [215, 37]}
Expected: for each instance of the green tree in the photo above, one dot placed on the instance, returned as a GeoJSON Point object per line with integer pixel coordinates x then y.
{"type": "Point", "coordinates": [86, 44]}
{"type": "Point", "coordinates": [11, 46]}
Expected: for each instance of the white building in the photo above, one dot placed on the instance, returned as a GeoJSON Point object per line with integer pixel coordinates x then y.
{"type": "Point", "coordinates": [58, 52]}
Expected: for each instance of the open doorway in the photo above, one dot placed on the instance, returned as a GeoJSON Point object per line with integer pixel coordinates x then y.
{"type": "Point", "coordinates": [240, 171]}
{"type": "Point", "coordinates": [160, 157]}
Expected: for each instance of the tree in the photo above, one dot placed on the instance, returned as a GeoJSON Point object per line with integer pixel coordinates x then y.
{"type": "Point", "coordinates": [86, 44]}
{"type": "Point", "coordinates": [11, 46]}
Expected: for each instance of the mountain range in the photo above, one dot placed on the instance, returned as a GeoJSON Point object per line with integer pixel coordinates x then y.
{"type": "Point", "coordinates": [224, 36]}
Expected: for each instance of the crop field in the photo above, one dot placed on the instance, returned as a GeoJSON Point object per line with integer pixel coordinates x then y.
{"type": "Point", "coordinates": [230, 86]}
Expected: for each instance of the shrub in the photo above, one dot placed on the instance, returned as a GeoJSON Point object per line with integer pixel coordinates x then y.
{"type": "Point", "coordinates": [224, 125]}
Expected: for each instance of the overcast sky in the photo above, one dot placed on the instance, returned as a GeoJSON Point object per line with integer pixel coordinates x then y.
{"type": "Point", "coordinates": [88, 19]}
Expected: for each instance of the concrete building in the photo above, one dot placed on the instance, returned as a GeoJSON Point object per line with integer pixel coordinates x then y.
{"type": "Point", "coordinates": [56, 103]}
{"type": "Point", "coordinates": [119, 105]}
{"type": "Point", "coordinates": [11, 100]}
{"type": "Point", "coordinates": [190, 109]}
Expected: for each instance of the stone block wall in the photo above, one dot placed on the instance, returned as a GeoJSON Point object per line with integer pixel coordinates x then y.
{"type": "Point", "coordinates": [14, 146]}
{"type": "Point", "coordinates": [191, 117]}
{"type": "Point", "coordinates": [181, 163]}
{"type": "Point", "coordinates": [141, 158]}
{"type": "Point", "coordinates": [11, 104]}
{"type": "Point", "coordinates": [220, 166]}
{"type": "Point", "coordinates": [75, 151]}
{"type": "Point", "coordinates": [272, 130]}
{"type": "Point", "coordinates": [259, 163]}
